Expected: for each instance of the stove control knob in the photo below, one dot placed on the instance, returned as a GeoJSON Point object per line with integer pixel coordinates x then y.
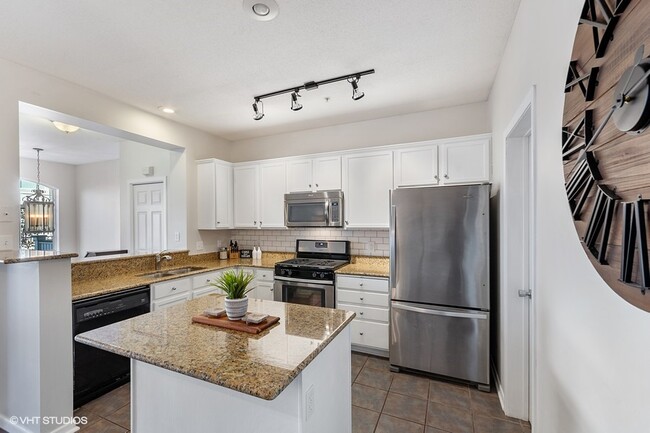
{"type": "Point", "coordinates": [322, 274]}
{"type": "Point", "coordinates": [288, 272]}
{"type": "Point", "coordinates": [314, 274]}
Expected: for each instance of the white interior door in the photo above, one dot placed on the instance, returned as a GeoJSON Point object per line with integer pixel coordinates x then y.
{"type": "Point", "coordinates": [516, 327]}
{"type": "Point", "coordinates": [149, 212]}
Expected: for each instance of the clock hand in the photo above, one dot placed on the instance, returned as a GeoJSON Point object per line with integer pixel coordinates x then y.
{"type": "Point", "coordinates": [616, 106]}
{"type": "Point", "coordinates": [637, 59]}
{"type": "Point", "coordinates": [627, 96]}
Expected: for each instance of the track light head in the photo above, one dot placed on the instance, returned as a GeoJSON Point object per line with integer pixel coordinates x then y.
{"type": "Point", "coordinates": [356, 93]}
{"type": "Point", "coordinates": [295, 105]}
{"type": "Point", "coordinates": [258, 108]}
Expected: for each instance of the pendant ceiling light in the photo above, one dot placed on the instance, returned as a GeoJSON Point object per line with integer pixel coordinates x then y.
{"type": "Point", "coordinates": [39, 210]}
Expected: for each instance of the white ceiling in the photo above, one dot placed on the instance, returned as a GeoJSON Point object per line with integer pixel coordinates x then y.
{"type": "Point", "coordinates": [81, 147]}
{"type": "Point", "coordinates": [207, 59]}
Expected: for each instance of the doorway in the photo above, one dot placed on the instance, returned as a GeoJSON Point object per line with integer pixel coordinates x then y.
{"type": "Point", "coordinates": [149, 216]}
{"type": "Point", "coordinates": [517, 227]}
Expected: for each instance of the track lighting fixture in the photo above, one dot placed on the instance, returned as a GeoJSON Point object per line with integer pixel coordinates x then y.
{"type": "Point", "coordinates": [353, 79]}
{"type": "Point", "coordinates": [295, 105]}
{"type": "Point", "coordinates": [258, 107]}
{"type": "Point", "coordinates": [356, 93]}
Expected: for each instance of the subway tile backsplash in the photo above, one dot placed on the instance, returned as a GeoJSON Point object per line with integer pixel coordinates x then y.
{"type": "Point", "coordinates": [362, 242]}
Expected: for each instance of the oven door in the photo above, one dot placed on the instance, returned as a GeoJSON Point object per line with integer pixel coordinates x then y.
{"type": "Point", "coordinates": [302, 292]}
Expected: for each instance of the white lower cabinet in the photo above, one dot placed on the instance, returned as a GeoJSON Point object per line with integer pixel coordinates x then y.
{"type": "Point", "coordinates": [368, 298]}
{"type": "Point", "coordinates": [264, 284]}
{"type": "Point", "coordinates": [201, 284]}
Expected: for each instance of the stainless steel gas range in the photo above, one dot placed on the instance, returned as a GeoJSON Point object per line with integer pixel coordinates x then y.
{"type": "Point", "coordinates": [309, 278]}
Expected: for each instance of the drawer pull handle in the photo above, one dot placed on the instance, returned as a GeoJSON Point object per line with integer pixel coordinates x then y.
{"type": "Point", "coordinates": [361, 299]}
{"type": "Point", "coordinates": [360, 333]}
{"type": "Point", "coordinates": [360, 284]}
{"type": "Point", "coordinates": [173, 288]}
{"type": "Point", "coordinates": [360, 313]}
{"type": "Point", "coordinates": [207, 281]}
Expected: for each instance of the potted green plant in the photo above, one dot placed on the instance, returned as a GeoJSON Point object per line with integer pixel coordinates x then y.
{"type": "Point", "coordinates": [234, 284]}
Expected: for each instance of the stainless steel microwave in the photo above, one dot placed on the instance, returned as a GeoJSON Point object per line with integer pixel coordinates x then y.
{"type": "Point", "coordinates": [314, 209]}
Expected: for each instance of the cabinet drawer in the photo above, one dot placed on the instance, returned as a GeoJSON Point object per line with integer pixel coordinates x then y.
{"type": "Point", "coordinates": [206, 291]}
{"type": "Point", "coordinates": [160, 290]}
{"type": "Point", "coordinates": [203, 280]}
{"type": "Point", "coordinates": [264, 274]}
{"type": "Point", "coordinates": [368, 313]}
{"type": "Point", "coordinates": [170, 300]}
{"type": "Point", "coordinates": [363, 298]}
{"type": "Point", "coordinates": [369, 334]}
{"type": "Point", "coordinates": [373, 284]}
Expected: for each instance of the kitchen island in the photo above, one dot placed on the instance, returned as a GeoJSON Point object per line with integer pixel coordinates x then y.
{"type": "Point", "coordinates": [293, 377]}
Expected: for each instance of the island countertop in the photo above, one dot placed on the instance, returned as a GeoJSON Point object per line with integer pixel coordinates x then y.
{"type": "Point", "coordinates": [261, 365]}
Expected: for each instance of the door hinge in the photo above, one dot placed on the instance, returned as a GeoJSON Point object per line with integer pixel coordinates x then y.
{"type": "Point", "coordinates": [525, 294]}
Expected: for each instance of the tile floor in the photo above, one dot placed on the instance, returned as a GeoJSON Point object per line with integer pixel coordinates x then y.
{"type": "Point", "coordinates": [382, 402]}
{"type": "Point", "coordinates": [386, 402]}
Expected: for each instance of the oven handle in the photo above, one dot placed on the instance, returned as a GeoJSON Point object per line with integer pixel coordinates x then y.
{"type": "Point", "coordinates": [301, 280]}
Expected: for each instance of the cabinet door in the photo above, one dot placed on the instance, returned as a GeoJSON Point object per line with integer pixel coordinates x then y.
{"type": "Point", "coordinates": [299, 175]}
{"type": "Point", "coordinates": [327, 173]}
{"type": "Point", "coordinates": [272, 189]}
{"type": "Point", "coordinates": [416, 166]}
{"type": "Point", "coordinates": [223, 175]}
{"type": "Point", "coordinates": [464, 162]}
{"type": "Point", "coordinates": [367, 178]}
{"type": "Point", "coordinates": [205, 189]}
{"type": "Point", "coordinates": [245, 192]}
{"type": "Point", "coordinates": [264, 290]}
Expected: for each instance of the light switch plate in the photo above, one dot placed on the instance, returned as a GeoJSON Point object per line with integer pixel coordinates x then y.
{"type": "Point", "coordinates": [6, 243]}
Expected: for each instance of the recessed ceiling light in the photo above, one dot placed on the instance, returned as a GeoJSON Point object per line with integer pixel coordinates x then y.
{"type": "Point", "coordinates": [261, 10]}
{"type": "Point", "coordinates": [167, 110]}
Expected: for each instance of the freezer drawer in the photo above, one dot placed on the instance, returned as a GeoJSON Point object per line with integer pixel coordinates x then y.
{"type": "Point", "coordinates": [446, 341]}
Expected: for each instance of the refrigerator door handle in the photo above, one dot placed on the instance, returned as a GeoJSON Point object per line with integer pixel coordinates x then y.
{"type": "Point", "coordinates": [474, 315]}
{"type": "Point", "coordinates": [392, 240]}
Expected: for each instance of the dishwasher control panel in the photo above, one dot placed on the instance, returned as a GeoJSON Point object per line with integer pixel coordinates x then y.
{"type": "Point", "coordinates": [88, 310]}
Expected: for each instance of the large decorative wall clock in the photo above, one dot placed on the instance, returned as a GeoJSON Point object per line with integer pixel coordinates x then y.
{"type": "Point", "coordinates": [606, 142]}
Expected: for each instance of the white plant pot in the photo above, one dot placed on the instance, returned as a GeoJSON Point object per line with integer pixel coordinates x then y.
{"type": "Point", "coordinates": [236, 308]}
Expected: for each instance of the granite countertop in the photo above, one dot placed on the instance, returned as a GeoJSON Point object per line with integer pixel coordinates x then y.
{"type": "Point", "coordinates": [368, 266]}
{"type": "Point", "coordinates": [22, 256]}
{"type": "Point", "coordinates": [261, 365]}
{"type": "Point", "coordinates": [99, 280]}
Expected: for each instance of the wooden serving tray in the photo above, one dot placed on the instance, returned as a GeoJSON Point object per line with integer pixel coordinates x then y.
{"type": "Point", "coordinates": [237, 325]}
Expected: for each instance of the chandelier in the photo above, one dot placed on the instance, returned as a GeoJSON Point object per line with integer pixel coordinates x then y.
{"type": "Point", "coordinates": [38, 209]}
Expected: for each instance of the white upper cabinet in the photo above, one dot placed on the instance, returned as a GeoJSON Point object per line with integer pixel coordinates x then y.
{"type": "Point", "coordinates": [259, 195]}
{"type": "Point", "coordinates": [327, 173]}
{"type": "Point", "coordinates": [367, 178]}
{"type": "Point", "coordinates": [314, 174]}
{"type": "Point", "coordinates": [465, 161]}
{"type": "Point", "coordinates": [246, 181]}
{"type": "Point", "coordinates": [416, 166]}
{"type": "Point", "coordinates": [272, 189]}
{"type": "Point", "coordinates": [214, 192]}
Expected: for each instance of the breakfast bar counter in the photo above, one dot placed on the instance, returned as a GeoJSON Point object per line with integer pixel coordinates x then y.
{"type": "Point", "coordinates": [187, 376]}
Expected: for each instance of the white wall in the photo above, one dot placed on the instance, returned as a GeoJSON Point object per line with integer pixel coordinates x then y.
{"type": "Point", "coordinates": [18, 83]}
{"type": "Point", "coordinates": [98, 206]}
{"type": "Point", "coordinates": [62, 177]}
{"type": "Point", "coordinates": [428, 125]}
{"type": "Point", "coordinates": [593, 348]}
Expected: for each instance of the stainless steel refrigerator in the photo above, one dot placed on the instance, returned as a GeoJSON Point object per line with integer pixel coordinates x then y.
{"type": "Point", "coordinates": [439, 280]}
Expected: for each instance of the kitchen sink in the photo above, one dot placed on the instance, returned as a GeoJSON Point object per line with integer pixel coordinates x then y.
{"type": "Point", "coordinates": [170, 272]}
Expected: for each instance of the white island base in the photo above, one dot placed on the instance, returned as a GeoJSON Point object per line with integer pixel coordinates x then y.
{"type": "Point", "coordinates": [317, 401]}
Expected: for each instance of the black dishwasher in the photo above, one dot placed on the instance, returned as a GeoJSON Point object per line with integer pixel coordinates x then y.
{"type": "Point", "coordinates": [96, 371]}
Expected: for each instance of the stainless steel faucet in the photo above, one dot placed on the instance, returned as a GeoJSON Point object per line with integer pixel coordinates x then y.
{"type": "Point", "coordinates": [161, 258]}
